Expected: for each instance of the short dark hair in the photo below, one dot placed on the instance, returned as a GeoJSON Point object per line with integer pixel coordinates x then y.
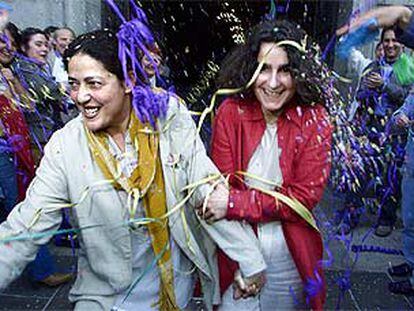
{"type": "Point", "coordinates": [101, 45]}
{"type": "Point", "coordinates": [384, 30]}
{"type": "Point", "coordinates": [50, 30]}
{"type": "Point", "coordinates": [27, 34]}
{"type": "Point", "coordinates": [239, 66]}
{"type": "Point", "coordinates": [14, 32]}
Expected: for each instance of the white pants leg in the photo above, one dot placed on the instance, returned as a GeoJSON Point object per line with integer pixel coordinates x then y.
{"type": "Point", "coordinates": [283, 289]}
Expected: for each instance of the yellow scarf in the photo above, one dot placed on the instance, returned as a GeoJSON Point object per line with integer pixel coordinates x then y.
{"type": "Point", "coordinates": [146, 183]}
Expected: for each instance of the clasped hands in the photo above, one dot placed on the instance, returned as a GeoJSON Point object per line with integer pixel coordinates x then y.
{"type": "Point", "coordinates": [214, 210]}
{"type": "Point", "coordinates": [247, 287]}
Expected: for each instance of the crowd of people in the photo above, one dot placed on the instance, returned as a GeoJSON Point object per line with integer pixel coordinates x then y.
{"type": "Point", "coordinates": [30, 112]}
{"type": "Point", "coordinates": [386, 96]}
{"type": "Point", "coordinates": [380, 92]}
{"type": "Point", "coordinates": [94, 142]}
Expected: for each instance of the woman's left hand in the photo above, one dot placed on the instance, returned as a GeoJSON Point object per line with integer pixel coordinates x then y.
{"type": "Point", "coordinates": [216, 208]}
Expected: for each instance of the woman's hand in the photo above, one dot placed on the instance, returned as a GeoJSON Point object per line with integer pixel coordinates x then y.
{"type": "Point", "coordinates": [216, 207]}
{"type": "Point", "coordinates": [247, 287]}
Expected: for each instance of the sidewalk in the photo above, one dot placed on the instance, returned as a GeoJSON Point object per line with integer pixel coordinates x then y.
{"type": "Point", "coordinates": [369, 279]}
{"type": "Point", "coordinates": [368, 292]}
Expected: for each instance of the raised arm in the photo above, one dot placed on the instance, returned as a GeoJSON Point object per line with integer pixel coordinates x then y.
{"type": "Point", "coordinates": [385, 16]}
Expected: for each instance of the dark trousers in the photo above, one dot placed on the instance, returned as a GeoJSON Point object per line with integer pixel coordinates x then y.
{"type": "Point", "coordinates": [44, 264]}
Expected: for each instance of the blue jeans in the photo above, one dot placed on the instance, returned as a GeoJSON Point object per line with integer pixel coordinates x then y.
{"type": "Point", "coordinates": [408, 204]}
{"type": "Point", "coordinates": [43, 265]}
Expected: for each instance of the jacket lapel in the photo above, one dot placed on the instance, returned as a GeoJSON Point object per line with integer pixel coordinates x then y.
{"type": "Point", "coordinates": [251, 130]}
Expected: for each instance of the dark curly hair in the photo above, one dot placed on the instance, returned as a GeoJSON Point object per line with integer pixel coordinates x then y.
{"type": "Point", "coordinates": [239, 66]}
{"type": "Point", "coordinates": [101, 45]}
{"type": "Point", "coordinates": [27, 35]}
{"type": "Point", "coordinates": [14, 32]}
{"type": "Point", "coordinates": [386, 29]}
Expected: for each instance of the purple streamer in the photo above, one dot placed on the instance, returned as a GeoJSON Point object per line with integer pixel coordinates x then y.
{"type": "Point", "coordinates": [376, 249]}
{"type": "Point", "coordinates": [11, 144]}
{"type": "Point", "coordinates": [134, 36]}
{"type": "Point", "coordinates": [115, 8]}
{"type": "Point", "coordinates": [313, 286]}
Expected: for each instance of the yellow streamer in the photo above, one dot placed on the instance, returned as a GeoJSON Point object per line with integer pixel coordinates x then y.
{"type": "Point", "coordinates": [293, 203]}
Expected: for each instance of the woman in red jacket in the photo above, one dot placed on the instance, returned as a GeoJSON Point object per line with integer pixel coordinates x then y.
{"type": "Point", "coordinates": [274, 137]}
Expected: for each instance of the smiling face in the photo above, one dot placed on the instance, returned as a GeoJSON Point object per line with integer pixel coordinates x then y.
{"type": "Point", "coordinates": [37, 47]}
{"type": "Point", "coordinates": [274, 87]}
{"type": "Point", "coordinates": [392, 48]}
{"type": "Point", "coordinates": [63, 38]}
{"type": "Point", "coordinates": [103, 99]}
{"type": "Point", "coordinates": [7, 48]}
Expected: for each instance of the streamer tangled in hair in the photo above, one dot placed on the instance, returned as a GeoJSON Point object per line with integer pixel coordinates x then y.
{"type": "Point", "coordinates": [135, 39]}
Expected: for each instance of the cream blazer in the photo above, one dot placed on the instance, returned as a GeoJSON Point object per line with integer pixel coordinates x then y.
{"type": "Point", "coordinates": [67, 172]}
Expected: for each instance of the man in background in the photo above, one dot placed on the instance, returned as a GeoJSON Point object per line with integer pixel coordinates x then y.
{"type": "Point", "coordinates": [62, 37]}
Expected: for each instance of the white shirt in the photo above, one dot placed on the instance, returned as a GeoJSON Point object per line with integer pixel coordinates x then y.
{"type": "Point", "coordinates": [58, 70]}
{"type": "Point", "coordinates": [145, 294]}
{"type": "Point", "coordinates": [282, 277]}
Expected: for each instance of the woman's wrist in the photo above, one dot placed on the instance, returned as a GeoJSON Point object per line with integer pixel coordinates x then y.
{"type": "Point", "coordinates": [405, 17]}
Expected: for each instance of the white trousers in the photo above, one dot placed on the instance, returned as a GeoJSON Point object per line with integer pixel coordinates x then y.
{"type": "Point", "coordinates": [283, 287]}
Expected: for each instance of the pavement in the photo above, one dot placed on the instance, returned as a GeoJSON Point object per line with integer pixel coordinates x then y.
{"type": "Point", "coordinates": [366, 289]}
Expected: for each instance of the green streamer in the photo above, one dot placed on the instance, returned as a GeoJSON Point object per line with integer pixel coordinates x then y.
{"type": "Point", "coordinates": [404, 69]}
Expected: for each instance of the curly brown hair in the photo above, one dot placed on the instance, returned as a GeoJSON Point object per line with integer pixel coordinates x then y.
{"type": "Point", "coordinates": [304, 65]}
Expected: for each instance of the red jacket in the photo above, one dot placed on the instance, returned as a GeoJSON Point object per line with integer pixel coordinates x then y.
{"type": "Point", "coordinates": [304, 137]}
{"type": "Point", "coordinates": [16, 128]}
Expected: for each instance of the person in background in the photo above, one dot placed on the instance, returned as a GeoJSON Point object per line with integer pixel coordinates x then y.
{"type": "Point", "coordinates": [16, 157]}
{"type": "Point", "coordinates": [48, 95]}
{"type": "Point", "coordinates": [275, 136]}
{"type": "Point", "coordinates": [404, 117]}
{"type": "Point", "coordinates": [49, 31]}
{"type": "Point", "coordinates": [151, 66]}
{"type": "Point", "coordinates": [17, 166]}
{"type": "Point", "coordinates": [358, 62]}
{"type": "Point", "coordinates": [402, 18]}
{"type": "Point", "coordinates": [61, 38]}
{"type": "Point", "coordinates": [380, 94]}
